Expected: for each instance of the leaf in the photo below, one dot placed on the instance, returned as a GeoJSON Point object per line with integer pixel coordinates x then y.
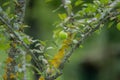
{"type": "Point", "coordinates": [6, 3]}
{"type": "Point", "coordinates": [110, 24]}
{"type": "Point", "coordinates": [118, 26]}
{"type": "Point", "coordinates": [56, 33]}
{"type": "Point", "coordinates": [77, 3]}
{"type": "Point", "coordinates": [62, 16]}
{"type": "Point", "coordinates": [118, 17]}
{"type": "Point", "coordinates": [43, 43]}
{"type": "Point", "coordinates": [26, 40]}
{"type": "Point", "coordinates": [49, 48]}
{"type": "Point", "coordinates": [8, 11]}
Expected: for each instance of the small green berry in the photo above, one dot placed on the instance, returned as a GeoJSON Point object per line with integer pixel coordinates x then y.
{"type": "Point", "coordinates": [63, 35]}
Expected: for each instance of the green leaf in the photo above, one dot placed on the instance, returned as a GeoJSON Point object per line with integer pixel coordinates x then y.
{"type": "Point", "coordinates": [56, 33]}
{"type": "Point", "coordinates": [26, 40]}
{"type": "Point", "coordinates": [110, 24]}
{"type": "Point", "coordinates": [118, 17]}
{"type": "Point", "coordinates": [77, 3]}
{"type": "Point", "coordinates": [62, 16]}
{"type": "Point", "coordinates": [118, 26]}
{"type": "Point", "coordinates": [6, 3]}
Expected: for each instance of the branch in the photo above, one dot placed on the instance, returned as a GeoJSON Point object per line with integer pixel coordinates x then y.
{"type": "Point", "coordinates": [103, 18]}
{"type": "Point", "coordinates": [100, 21]}
{"type": "Point", "coordinates": [20, 8]}
{"type": "Point", "coordinates": [86, 35]}
{"type": "Point", "coordinates": [4, 19]}
{"type": "Point", "coordinates": [14, 51]}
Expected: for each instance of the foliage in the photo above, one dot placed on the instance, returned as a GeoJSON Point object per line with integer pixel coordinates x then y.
{"type": "Point", "coordinates": [74, 27]}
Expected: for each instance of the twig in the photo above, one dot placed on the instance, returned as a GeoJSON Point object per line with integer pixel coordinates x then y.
{"type": "Point", "coordinates": [20, 8]}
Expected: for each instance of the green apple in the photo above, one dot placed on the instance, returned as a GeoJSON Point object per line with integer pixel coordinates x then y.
{"type": "Point", "coordinates": [63, 35]}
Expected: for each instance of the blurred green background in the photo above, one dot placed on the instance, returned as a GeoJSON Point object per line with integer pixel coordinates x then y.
{"type": "Point", "coordinates": [98, 59]}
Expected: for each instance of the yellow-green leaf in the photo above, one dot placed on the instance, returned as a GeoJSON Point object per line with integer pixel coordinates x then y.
{"type": "Point", "coordinates": [62, 16]}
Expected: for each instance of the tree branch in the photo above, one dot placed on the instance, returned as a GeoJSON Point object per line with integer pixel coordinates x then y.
{"type": "Point", "coordinates": [103, 18]}
{"type": "Point", "coordinates": [6, 21]}
{"type": "Point", "coordinates": [100, 21]}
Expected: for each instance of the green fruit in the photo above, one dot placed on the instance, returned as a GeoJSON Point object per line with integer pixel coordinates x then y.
{"type": "Point", "coordinates": [63, 35]}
